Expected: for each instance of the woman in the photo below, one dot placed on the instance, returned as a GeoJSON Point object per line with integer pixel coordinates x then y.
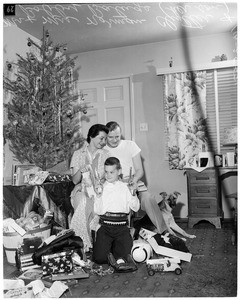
{"type": "Point", "coordinates": [87, 168]}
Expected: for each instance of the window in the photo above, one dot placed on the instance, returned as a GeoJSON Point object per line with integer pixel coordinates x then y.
{"type": "Point", "coordinates": [222, 110]}
{"type": "Point", "coordinates": [221, 102]}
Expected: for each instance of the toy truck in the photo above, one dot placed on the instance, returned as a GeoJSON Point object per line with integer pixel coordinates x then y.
{"type": "Point", "coordinates": [163, 265]}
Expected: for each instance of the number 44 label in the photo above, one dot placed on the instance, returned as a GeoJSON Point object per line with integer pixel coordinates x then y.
{"type": "Point", "coordinates": [9, 9]}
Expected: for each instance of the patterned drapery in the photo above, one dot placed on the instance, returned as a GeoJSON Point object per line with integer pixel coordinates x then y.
{"type": "Point", "coordinates": [185, 107]}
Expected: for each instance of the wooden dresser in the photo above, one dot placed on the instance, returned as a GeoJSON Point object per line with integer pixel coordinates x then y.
{"type": "Point", "coordinates": [204, 197]}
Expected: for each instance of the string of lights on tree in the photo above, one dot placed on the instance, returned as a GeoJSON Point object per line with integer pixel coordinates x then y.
{"type": "Point", "coordinates": [43, 114]}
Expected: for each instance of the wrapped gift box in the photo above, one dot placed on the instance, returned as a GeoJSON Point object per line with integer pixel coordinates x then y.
{"type": "Point", "coordinates": [53, 177]}
{"type": "Point", "coordinates": [26, 262]}
{"type": "Point", "coordinates": [60, 262]}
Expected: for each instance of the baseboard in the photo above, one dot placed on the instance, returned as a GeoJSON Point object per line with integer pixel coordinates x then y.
{"type": "Point", "coordinates": [185, 220]}
{"type": "Point", "coordinates": [181, 220]}
{"type": "Point", "coordinates": [227, 220]}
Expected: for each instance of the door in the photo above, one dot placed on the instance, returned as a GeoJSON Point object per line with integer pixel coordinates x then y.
{"type": "Point", "coordinates": [110, 101]}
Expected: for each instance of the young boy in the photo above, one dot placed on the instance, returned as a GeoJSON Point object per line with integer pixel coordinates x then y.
{"type": "Point", "coordinates": [113, 206]}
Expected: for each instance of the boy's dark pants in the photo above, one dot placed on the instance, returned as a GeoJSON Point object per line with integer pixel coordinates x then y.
{"type": "Point", "coordinates": [112, 238]}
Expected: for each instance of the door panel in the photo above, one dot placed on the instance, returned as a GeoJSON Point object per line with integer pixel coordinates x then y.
{"type": "Point", "coordinates": [114, 93]}
{"type": "Point", "coordinates": [111, 102]}
{"type": "Point", "coordinates": [116, 114]}
{"type": "Point", "coordinates": [90, 95]}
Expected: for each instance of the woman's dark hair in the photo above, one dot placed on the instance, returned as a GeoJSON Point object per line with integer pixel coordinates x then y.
{"type": "Point", "coordinates": [95, 130]}
{"type": "Point", "coordinates": [113, 161]}
{"type": "Point", "coordinates": [112, 125]}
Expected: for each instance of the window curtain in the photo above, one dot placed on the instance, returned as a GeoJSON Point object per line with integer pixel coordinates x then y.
{"type": "Point", "coordinates": [185, 111]}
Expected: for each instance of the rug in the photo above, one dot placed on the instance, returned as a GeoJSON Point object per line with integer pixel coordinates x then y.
{"type": "Point", "coordinates": [212, 272]}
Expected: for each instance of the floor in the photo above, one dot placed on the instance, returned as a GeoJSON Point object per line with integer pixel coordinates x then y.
{"type": "Point", "coordinates": [212, 272]}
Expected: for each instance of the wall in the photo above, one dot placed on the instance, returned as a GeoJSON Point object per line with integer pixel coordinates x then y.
{"type": "Point", "coordinates": [14, 41]}
{"type": "Point", "coordinates": [141, 62]}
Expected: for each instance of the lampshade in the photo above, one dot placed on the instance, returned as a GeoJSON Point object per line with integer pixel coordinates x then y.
{"type": "Point", "coordinates": [230, 136]}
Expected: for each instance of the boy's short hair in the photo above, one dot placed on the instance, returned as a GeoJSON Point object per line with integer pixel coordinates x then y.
{"type": "Point", "coordinates": [113, 161]}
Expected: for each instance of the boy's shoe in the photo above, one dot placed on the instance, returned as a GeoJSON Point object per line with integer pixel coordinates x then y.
{"type": "Point", "coordinates": [124, 265]}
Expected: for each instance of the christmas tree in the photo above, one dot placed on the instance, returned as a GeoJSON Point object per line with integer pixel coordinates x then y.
{"type": "Point", "coordinates": [43, 114]}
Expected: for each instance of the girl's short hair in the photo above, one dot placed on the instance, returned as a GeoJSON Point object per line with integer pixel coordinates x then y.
{"type": "Point", "coordinates": [95, 130]}
{"type": "Point", "coordinates": [113, 161]}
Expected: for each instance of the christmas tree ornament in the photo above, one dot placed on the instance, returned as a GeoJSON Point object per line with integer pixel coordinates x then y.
{"type": "Point", "coordinates": [69, 113]}
{"type": "Point", "coordinates": [9, 66]}
{"type": "Point", "coordinates": [29, 44]}
{"type": "Point", "coordinates": [76, 135]}
{"type": "Point", "coordinates": [68, 132]}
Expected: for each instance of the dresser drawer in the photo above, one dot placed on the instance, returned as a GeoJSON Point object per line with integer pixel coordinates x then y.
{"type": "Point", "coordinates": [208, 176]}
{"type": "Point", "coordinates": [203, 190]}
{"type": "Point", "coordinates": [203, 207]}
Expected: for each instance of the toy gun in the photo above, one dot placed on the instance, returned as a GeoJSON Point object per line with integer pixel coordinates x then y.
{"type": "Point", "coordinates": [130, 183]}
{"type": "Point", "coordinates": [99, 186]}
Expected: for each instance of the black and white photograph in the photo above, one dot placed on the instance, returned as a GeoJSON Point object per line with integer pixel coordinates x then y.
{"type": "Point", "coordinates": [120, 149]}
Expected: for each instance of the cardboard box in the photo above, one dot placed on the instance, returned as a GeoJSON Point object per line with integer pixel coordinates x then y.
{"type": "Point", "coordinates": [21, 173]}
{"type": "Point", "coordinates": [26, 262]}
{"type": "Point", "coordinates": [30, 245]}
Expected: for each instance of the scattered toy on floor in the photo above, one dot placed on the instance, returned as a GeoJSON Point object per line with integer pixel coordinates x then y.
{"type": "Point", "coordinates": [165, 264]}
{"type": "Point", "coordinates": [141, 250]}
{"type": "Point", "coordinates": [164, 244]}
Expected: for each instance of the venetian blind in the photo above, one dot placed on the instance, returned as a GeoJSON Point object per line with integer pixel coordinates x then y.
{"type": "Point", "coordinates": [222, 111]}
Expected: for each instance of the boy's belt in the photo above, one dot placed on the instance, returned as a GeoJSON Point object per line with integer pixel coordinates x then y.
{"type": "Point", "coordinates": [110, 214]}
{"type": "Point", "coordinates": [114, 219]}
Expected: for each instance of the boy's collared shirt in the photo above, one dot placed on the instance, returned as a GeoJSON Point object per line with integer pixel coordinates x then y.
{"type": "Point", "coordinates": [116, 198]}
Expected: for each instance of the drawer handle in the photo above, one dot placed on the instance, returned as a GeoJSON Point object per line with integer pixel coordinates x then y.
{"type": "Point", "coordinates": [202, 178]}
{"type": "Point", "coordinates": [203, 190]}
{"type": "Point", "coordinates": [203, 206]}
